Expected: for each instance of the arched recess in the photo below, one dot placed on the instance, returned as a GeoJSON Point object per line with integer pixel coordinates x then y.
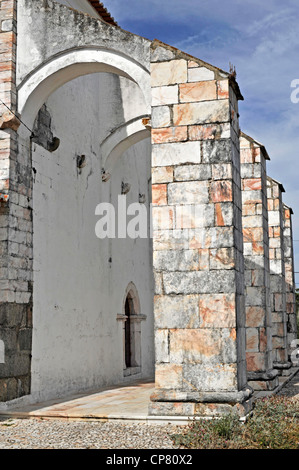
{"type": "Point", "coordinates": [120, 140]}
{"type": "Point", "coordinates": [33, 92]}
{"type": "Point", "coordinates": [57, 71]}
{"type": "Point", "coordinates": [131, 318]}
{"type": "Point", "coordinates": [133, 292]}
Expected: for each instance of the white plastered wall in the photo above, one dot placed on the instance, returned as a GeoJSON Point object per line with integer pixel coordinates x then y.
{"type": "Point", "coordinates": [79, 281]}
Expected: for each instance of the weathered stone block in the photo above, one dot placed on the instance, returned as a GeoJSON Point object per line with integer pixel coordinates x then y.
{"type": "Point", "coordinates": [222, 89]}
{"type": "Point", "coordinates": [175, 154]}
{"type": "Point", "coordinates": [221, 191]}
{"type": "Point", "coordinates": [217, 310]}
{"type": "Point", "coordinates": [209, 131]}
{"type": "Point", "coordinates": [224, 213]}
{"type": "Point", "coordinates": [16, 364]}
{"type": "Point", "coordinates": [194, 216]}
{"type": "Point", "coordinates": [162, 218]}
{"type": "Point", "coordinates": [192, 172]}
{"type": "Point", "coordinates": [200, 113]}
{"type": "Point", "coordinates": [258, 278]}
{"type": "Point", "coordinates": [161, 54]}
{"type": "Point", "coordinates": [10, 339]}
{"type": "Point", "coordinates": [171, 409]}
{"type": "Point", "coordinates": [276, 266]}
{"type": "Point", "coordinates": [161, 117]}
{"type": "Point", "coordinates": [174, 260]}
{"type": "Point", "coordinates": [256, 361]}
{"type": "Point", "coordinates": [25, 339]}
{"type": "Point", "coordinates": [222, 258]}
{"type": "Point", "coordinates": [158, 283]}
{"type": "Point", "coordinates": [218, 151]}
{"type": "Point", "coordinates": [168, 73]}
{"type": "Point", "coordinates": [195, 346]}
{"type": "Point", "coordinates": [7, 25]}
{"type": "Point", "coordinates": [170, 134]}
{"type": "Point", "coordinates": [198, 91]}
{"type": "Point", "coordinates": [253, 221]}
{"type": "Point", "coordinates": [222, 171]}
{"type": "Point", "coordinates": [203, 377]}
{"type": "Point", "coordinates": [252, 340]}
{"type": "Point", "coordinates": [255, 296]}
{"type": "Point", "coordinates": [253, 234]}
{"type": "Point", "coordinates": [204, 260]}
{"type": "Point", "coordinates": [159, 194]}
{"type": "Point", "coordinates": [273, 218]}
{"type": "Point", "coordinates": [165, 95]}
{"type": "Point", "coordinates": [198, 74]}
{"type": "Point", "coordinates": [163, 174]}
{"type": "Point", "coordinates": [253, 184]}
{"type": "Point", "coordinates": [213, 237]}
{"type": "Point", "coordinates": [178, 311]}
{"type": "Point", "coordinates": [168, 376]}
{"type": "Point", "coordinates": [170, 239]}
{"type": "Point", "coordinates": [230, 353]}
{"type": "Point", "coordinates": [189, 192]}
{"type": "Point", "coordinates": [200, 282]}
{"type": "Point", "coordinates": [161, 346]}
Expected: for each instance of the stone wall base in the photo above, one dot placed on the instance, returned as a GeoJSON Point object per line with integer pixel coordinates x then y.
{"type": "Point", "coordinates": [16, 335]}
{"type": "Point", "coordinates": [263, 380]}
{"type": "Point", "coordinates": [205, 404]}
{"type": "Point", "coordinates": [199, 409]}
{"type": "Point", "coordinates": [12, 388]}
{"type": "Point", "coordinates": [283, 368]}
{"type": "Point", "coordinates": [259, 385]}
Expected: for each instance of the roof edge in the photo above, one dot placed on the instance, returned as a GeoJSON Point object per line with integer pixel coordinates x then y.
{"type": "Point", "coordinates": [221, 73]}
{"type": "Point", "coordinates": [269, 178]}
{"type": "Point", "coordinates": [288, 207]}
{"type": "Point", "coordinates": [103, 12]}
{"type": "Point", "coordinates": [251, 139]}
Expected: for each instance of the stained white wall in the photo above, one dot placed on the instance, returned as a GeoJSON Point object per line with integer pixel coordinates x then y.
{"type": "Point", "coordinates": [79, 280]}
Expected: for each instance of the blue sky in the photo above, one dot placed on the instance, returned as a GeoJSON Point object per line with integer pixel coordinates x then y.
{"type": "Point", "coordinates": [261, 39]}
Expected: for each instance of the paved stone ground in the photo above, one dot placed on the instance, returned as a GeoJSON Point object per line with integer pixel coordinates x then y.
{"type": "Point", "coordinates": [37, 433]}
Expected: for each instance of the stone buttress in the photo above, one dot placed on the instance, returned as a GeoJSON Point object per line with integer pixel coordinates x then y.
{"type": "Point", "coordinates": [197, 238]}
{"type": "Point", "coordinates": [277, 275]}
{"type": "Point", "coordinates": [290, 280]}
{"type": "Point", "coordinates": [261, 375]}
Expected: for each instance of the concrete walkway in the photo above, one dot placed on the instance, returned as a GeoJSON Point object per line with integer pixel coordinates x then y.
{"type": "Point", "coordinates": [125, 402]}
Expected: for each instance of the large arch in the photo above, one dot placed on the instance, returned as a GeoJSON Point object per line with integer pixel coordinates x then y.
{"type": "Point", "coordinates": [60, 69]}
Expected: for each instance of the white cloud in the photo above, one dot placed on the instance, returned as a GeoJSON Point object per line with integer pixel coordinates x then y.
{"type": "Point", "coordinates": [270, 21]}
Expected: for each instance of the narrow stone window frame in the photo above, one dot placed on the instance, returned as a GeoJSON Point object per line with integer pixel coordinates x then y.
{"type": "Point", "coordinates": [132, 365]}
